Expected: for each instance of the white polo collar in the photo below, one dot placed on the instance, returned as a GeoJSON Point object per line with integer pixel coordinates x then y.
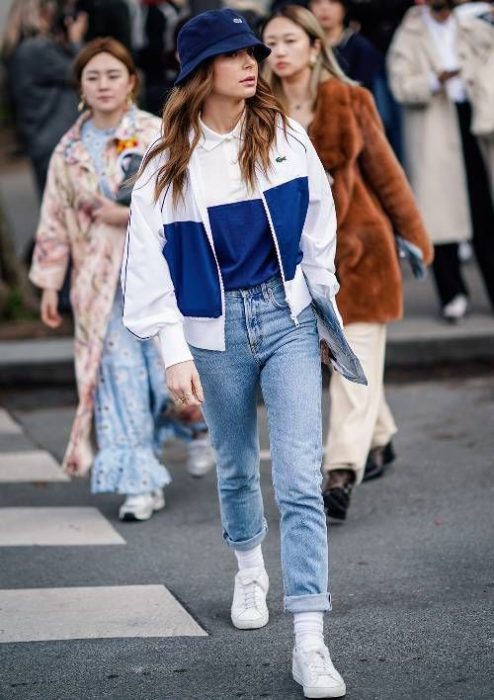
{"type": "Point", "coordinates": [211, 139]}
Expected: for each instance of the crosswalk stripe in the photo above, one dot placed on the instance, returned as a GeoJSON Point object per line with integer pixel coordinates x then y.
{"type": "Point", "coordinates": [44, 614]}
{"type": "Point", "coordinates": [55, 527]}
{"type": "Point", "coordinates": [30, 465]}
{"type": "Point", "coordinates": [8, 426]}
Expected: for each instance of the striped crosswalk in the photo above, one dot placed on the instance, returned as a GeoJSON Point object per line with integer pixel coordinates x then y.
{"type": "Point", "coordinates": [93, 613]}
{"type": "Point", "coordinates": [7, 425]}
{"type": "Point", "coordinates": [79, 612]}
{"type": "Point", "coordinates": [29, 465]}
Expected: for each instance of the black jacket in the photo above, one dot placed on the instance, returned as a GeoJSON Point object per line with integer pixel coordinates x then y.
{"type": "Point", "coordinates": [43, 94]}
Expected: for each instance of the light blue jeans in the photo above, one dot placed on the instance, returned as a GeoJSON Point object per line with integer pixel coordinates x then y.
{"type": "Point", "coordinates": [265, 348]}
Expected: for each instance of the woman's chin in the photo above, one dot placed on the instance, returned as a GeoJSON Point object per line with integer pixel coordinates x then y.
{"type": "Point", "coordinates": [109, 107]}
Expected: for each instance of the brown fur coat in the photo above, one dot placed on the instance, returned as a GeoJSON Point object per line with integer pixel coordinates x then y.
{"type": "Point", "coordinates": [372, 198]}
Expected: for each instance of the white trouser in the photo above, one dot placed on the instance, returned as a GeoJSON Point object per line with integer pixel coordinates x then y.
{"type": "Point", "coordinates": [359, 417]}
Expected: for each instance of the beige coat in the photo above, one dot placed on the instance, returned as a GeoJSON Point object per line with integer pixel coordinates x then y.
{"type": "Point", "coordinates": [66, 229]}
{"type": "Point", "coordinates": [478, 47]}
{"type": "Point", "coordinates": [432, 141]}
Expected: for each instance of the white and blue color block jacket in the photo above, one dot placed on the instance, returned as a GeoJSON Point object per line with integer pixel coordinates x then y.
{"type": "Point", "coordinates": [172, 283]}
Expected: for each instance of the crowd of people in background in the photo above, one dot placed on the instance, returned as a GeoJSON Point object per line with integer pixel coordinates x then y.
{"type": "Point", "coordinates": [375, 83]}
{"type": "Point", "coordinates": [437, 120]}
{"type": "Point", "coordinates": [372, 197]}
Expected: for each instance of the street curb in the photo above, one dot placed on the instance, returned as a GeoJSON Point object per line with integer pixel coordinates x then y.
{"type": "Point", "coordinates": [37, 362]}
{"type": "Point", "coordinates": [418, 343]}
{"type": "Point", "coordinates": [422, 343]}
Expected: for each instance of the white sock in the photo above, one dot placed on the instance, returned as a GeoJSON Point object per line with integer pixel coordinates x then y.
{"type": "Point", "coordinates": [251, 559]}
{"type": "Point", "coordinates": [309, 629]}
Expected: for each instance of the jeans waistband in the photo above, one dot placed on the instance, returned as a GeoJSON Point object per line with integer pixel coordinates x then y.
{"type": "Point", "coordinates": [259, 289]}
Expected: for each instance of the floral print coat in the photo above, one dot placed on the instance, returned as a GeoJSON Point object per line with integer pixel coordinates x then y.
{"type": "Point", "coordinates": [68, 231]}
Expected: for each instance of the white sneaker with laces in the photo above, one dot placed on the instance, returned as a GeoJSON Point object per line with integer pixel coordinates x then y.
{"type": "Point", "coordinates": [249, 609]}
{"type": "Point", "coordinates": [141, 506]}
{"type": "Point", "coordinates": [456, 309]}
{"type": "Point", "coordinates": [200, 456]}
{"type": "Point", "coordinates": [313, 669]}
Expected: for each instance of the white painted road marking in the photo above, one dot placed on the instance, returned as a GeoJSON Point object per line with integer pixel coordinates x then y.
{"type": "Point", "coordinates": [43, 614]}
{"type": "Point", "coordinates": [30, 465]}
{"type": "Point", "coordinates": [8, 426]}
{"type": "Point", "coordinates": [23, 527]}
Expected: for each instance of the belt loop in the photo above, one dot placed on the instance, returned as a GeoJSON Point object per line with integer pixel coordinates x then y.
{"type": "Point", "coordinates": [265, 291]}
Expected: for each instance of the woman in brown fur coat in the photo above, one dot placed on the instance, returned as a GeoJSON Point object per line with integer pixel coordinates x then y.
{"type": "Point", "coordinates": [373, 199]}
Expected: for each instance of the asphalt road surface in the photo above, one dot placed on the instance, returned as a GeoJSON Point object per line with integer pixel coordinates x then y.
{"type": "Point", "coordinates": [412, 571]}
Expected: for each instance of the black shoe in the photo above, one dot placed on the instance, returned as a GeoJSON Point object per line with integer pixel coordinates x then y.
{"type": "Point", "coordinates": [336, 501]}
{"type": "Point", "coordinates": [377, 460]}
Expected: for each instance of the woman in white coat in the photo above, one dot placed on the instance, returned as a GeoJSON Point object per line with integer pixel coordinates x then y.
{"type": "Point", "coordinates": [433, 76]}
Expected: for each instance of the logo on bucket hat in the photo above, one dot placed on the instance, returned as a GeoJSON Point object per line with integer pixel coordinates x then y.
{"type": "Point", "coordinates": [211, 34]}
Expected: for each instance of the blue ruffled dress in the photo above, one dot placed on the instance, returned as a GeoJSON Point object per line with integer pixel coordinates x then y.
{"type": "Point", "coordinates": [131, 398]}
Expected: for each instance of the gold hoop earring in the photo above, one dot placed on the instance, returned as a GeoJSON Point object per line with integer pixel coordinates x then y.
{"type": "Point", "coordinates": [312, 61]}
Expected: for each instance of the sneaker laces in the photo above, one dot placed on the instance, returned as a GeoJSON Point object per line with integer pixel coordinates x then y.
{"type": "Point", "coordinates": [249, 591]}
{"type": "Point", "coordinates": [318, 662]}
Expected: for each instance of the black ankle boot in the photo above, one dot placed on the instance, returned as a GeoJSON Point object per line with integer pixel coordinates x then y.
{"type": "Point", "coordinates": [337, 498]}
{"type": "Point", "coordinates": [377, 461]}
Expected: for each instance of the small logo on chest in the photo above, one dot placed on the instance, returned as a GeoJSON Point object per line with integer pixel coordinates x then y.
{"type": "Point", "coordinates": [280, 159]}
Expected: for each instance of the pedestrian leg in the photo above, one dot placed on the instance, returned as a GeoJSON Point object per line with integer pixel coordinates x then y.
{"type": "Point", "coordinates": [385, 426]}
{"type": "Point", "coordinates": [230, 382]}
{"type": "Point", "coordinates": [481, 202]}
{"type": "Point", "coordinates": [448, 277]}
{"type": "Point", "coordinates": [354, 408]}
{"type": "Point", "coordinates": [291, 385]}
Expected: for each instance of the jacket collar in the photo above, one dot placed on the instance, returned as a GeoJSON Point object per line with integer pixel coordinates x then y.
{"type": "Point", "coordinates": [75, 150]}
{"type": "Point", "coordinates": [210, 139]}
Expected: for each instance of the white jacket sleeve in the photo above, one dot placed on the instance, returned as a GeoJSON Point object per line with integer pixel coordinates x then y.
{"type": "Point", "coordinates": [149, 302]}
{"type": "Point", "coordinates": [318, 241]}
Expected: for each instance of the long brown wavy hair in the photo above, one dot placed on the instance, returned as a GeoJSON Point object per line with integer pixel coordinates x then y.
{"type": "Point", "coordinates": [263, 115]}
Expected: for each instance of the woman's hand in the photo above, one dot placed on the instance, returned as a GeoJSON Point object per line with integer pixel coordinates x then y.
{"type": "Point", "coordinates": [77, 27]}
{"type": "Point", "coordinates": [106, 211]}
{"type": "Point", "coordinates": [446, 75]}
{"type": "Point", "coordinates": [184, 384]}
{"type": "Point", "coordinates": [49, 309]}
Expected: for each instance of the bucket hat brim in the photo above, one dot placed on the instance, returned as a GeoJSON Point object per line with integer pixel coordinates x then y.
{"type": "Point", "coordinates": [237, 42]}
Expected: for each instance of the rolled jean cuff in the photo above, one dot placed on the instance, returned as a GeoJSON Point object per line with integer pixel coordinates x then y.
{"type": "Point", "coordinates": [317, 602]}
{"type": "Point", "coordinates": [245, 545]}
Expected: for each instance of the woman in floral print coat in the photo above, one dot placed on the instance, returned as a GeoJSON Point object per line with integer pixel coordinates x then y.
{"type": "Point", "coordinates": [84, 217]}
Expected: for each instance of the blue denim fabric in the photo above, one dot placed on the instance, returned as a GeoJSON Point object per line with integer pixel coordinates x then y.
{"type": "Point", "coordinates": [130, 404]}
{"type": "Point", "coordinates": [265, 348]}
{"type": "Point", "coordinates": [342, 357]}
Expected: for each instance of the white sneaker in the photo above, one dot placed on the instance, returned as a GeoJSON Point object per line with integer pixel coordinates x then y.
{"type": "Point", "coordinates": [200, 456]}
{"type": "Point", "coordinates": [249, 609]}
{"type": "Point", "coordinates": [314, 671]}
{"type": "Point", "coordinates": [142, 506]}
{"type": "Point", "coordinates": [456, 309]}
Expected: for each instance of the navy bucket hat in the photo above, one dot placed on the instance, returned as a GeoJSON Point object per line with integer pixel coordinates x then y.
{"type": "Point", "coordinates": [211, 34]}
